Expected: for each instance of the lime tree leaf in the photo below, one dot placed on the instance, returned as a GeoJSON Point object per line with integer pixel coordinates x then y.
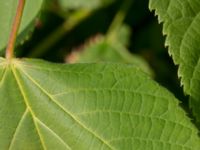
{"type": "Point", "coordinates": [88, 106]}
{"type": "Point", "coordinates": [102, 50]}
{"type": "Point", "coordinates": [8, 11]}
{"type": "Point", "coordinates": [181, 24]}
{"type": "Point", "coordinates": [83, 4]}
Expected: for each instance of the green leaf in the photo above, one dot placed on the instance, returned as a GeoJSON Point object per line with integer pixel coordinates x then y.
{"type": "Point", "coordinates": [8, 11]}
{"type": "Point", "coordinates": [83, 4]}
{"type": "Point", "coordinates": [88, 106]}
{"type": "Point", "coordinates": [181, 24]}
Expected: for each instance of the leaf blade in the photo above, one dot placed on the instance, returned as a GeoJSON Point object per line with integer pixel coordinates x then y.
{"type": "Point", "coordinates": [95, 106]}
{"type": "Point", "coordinates": [181, 25]}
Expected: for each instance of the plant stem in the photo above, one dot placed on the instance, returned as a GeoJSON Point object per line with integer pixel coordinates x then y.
{"type": "Point", "coordinates": [118, 20]}
{"type": "Point", "coordinates": [14, 30]}
{"type": "Point", "coordinates": [61, 31]}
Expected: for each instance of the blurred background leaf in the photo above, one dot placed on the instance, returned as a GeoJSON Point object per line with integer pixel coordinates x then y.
{"type": "Point", "coordinates": [101, 50]}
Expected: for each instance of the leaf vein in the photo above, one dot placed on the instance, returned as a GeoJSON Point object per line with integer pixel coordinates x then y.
{"type": "Point", "coordinates": [133, 114]}
{"type": "Point", "coordinates": [67, 112]}
{"type": "Point", "coordinates": [55, 134]}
